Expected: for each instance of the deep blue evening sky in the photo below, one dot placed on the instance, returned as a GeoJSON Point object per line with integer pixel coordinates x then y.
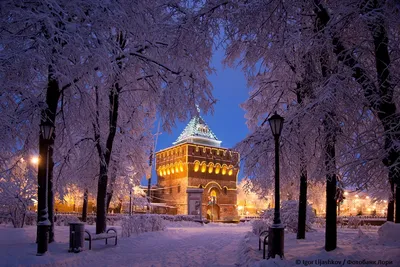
{"type": "Point", "coordinates": [227, 122]}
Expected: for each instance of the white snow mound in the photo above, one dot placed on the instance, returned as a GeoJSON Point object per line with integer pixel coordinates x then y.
{"type": "Point", "coordinates": [389, 233]}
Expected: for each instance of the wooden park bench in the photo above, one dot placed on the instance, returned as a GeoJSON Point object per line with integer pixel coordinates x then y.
{"type": "Point", "coordinates": [263, 236]}
{"type": "Point", "coordinates": [111, 233]}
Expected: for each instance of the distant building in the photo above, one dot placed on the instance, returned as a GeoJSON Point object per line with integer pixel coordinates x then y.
{"type": "Point", "coordinates": [196, 160]}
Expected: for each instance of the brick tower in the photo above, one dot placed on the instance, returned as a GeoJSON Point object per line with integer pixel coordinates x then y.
{"type": "Point", "coordinates": [197, 160]}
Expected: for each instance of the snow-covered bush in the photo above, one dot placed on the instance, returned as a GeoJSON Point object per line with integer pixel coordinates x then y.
{"type": "Point", "coordinates": [354, 222]}
{"type": "Point", "coordinates": [65, 219]}
{"type": "Point", "coordinates": [319, 222]}
{"type": "Point", "coordinates": [31, 218]}
{"type": "Point", "coordinates": [137, 224]}
{"type": "Point", "coordinates": [260, 225]}
{"type": "Point", "coordinates": [290, 214]}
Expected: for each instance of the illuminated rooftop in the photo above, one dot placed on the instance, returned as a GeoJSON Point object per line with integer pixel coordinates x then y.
{"type": "Point", "coordinates": [198, 132]}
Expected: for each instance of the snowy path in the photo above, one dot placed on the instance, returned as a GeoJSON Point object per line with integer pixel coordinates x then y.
{"type": "Point", "coordinates": [210, 245]}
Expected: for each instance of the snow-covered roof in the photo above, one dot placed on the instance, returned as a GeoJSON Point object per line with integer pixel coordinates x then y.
{"type": "Point", "coordinates": [198, 132]}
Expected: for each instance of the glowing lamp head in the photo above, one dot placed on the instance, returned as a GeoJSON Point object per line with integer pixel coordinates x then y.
{"type": "Point", "coordinates": [35, 160]}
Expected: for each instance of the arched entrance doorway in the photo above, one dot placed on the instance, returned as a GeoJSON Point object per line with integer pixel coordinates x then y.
{"type": "Point", "coordinates": [213, 207]}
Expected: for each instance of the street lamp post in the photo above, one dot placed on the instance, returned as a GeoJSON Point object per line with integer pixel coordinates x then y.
{"type": "Point", "coordinates": [46, 131]}
{"type": "Point", "coordinates": [276, 231]}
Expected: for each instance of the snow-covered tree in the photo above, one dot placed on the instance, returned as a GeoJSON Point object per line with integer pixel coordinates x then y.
{"type": "Point", "coordinates": [17, 190]}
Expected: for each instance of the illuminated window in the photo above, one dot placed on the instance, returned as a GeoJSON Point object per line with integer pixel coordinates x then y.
{"type": "Point", "coordinates": [172, 169]}
{"type": "Point", "coordinates": [230, 172]}
{"type": "Point", "coordinates": [217, 168]}
{"type": "Point", "coordinates": [203, 167]}
{"type": "Point", "coordinates": [176, 167]}
{"type": "Point", "coordinates": [210, 167]}
{"type": "Point", "coordinates": [213, 197]}
{"type": "Point", "coordinates": [223, 169]}
{"type": "Point", "coordinates": [196, 166]}
{"type": "Point", "coordinates": [160, 171]}
{"type": "Point", "coordinates": [180, 166]}
{"type": "Point", "coordinates": [168, 170]}
{"type": "Point", "coordinates": [164, 171]}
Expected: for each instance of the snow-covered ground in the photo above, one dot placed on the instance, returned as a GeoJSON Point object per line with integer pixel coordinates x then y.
{"type": "Point", "coordinates": [356, 247]}
{"type": "Point", "coordinates": [191, 244]}
{"type": "Point", "coordinates": [181, 244]}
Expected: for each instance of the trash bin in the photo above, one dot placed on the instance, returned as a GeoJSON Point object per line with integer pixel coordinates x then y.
{"type": "Point", "coordinates": [76, 237]}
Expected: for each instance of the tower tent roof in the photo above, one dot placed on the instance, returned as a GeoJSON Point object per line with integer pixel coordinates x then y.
{"type": "Point", "coordinates": [198, 132]}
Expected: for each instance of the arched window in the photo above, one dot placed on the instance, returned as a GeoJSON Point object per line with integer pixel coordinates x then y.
{"type": "Point", "coordinates": [217, 168]}
{"type": "Point", "coordinates": [180, 166]}
{"type": "Point", "coordinates": [213, 196]}
{"type": "Point", "coordinates": [179, 188]}
{"type": "Point", "coordinates": [225, 190]}
{"type": "Point", "coordinates": [203, 167]}
{"type": "Point", "coordinates": [196, 166]}
{"type": "Point", "coordinates": [223, 169]}
{"type": "Point", "coordinates": [168, 170]}
{"type": "Point", "coordinates": [210, 167]}
{"type": "Point", "coordinates": [176, 167]}
{"type": "Point", "coordinates": [230, 172]}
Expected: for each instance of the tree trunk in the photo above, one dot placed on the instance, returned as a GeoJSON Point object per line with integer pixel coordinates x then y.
{"type": "Point", "coordinates": [331, 180]}
{"type": "Point", "coordinates": [105, 156]}
{"type": "Point", "coordinates": [101, 212]}
{"type": "Point", "coordinates": [50, 197]}
{"type": "Point", "coordinates": [301, 228]}
{"type": "Point", "coordinates": [390, 209]}
{"type": "Point", "coordinates": [397, 218]}
{"type": "Point", "coordinates": [85, 205]}
{"type": "Point", "coordinates": [113, 178]}
{"type": "Point", "coordinates": [329, 123]}
{"type": "Point", "coordinates": [303, 90]}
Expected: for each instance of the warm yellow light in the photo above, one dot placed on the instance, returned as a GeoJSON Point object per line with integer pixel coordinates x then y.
{"type": "Point", "coordinates": [210, 168]}
{"type": "Point", "coordinates": [164, 172]}
{"type": "Point", "coordinates": [172, 170]}
{"type": "Point", "coordinates": [181, 167]}
{"type": "Point", "coordinates": [160, 172]}
{"type": "Point", "coordinates": [196, 166]}
{"type": "Point", "coordinates": [168, 171]}
{"type": "Point", "coordinates": [346, 193]}
{"type": "Point", "coordinates": [35, 160]}
{"type": "Point", "coordinates": [223, 169]}
{"type": "Point", "coordinates": [356, 195]}
{"type": "Point", "coordinates": [176, 168]}
{"type": "Point", "coordinates": [367, 197]}
{"type": "Point", "coordinates": [203, 167]}
{"type": "Point", "coordinates": [240, 207]}
{"type": "Point", "coordinates": [230, 172]}
{"type": "Point", "coordinates": [217, 168]}
{"type": "Point", "coordinates": [385, 201]}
